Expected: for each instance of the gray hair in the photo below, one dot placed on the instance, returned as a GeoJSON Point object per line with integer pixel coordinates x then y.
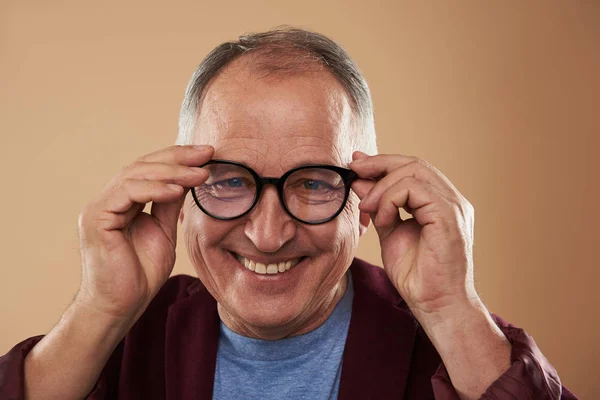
{"type": "Point", "coordinates": [284, 50]}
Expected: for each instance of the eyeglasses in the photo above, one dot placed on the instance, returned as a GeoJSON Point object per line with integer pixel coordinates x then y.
{"type": "Point", "coordinates": [312, 194]}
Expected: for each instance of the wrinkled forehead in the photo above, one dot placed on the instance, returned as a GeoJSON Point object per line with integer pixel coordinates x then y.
{"type": "Point", "coordinates": [276, 123]}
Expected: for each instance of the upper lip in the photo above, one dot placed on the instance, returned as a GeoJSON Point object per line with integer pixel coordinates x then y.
{"type": "Point", "coordinates": [267, 260]}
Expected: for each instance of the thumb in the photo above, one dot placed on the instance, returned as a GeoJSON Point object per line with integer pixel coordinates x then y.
{"type": "Point", "coordinates": [167, 214]}
{"type": "Point", "coordinates": [359, 155]}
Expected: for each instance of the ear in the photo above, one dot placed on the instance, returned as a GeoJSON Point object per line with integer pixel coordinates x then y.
{"type": "Point", "coordinates": [364, 220]}
{"type": "Point", "coordinates": [181, 215]}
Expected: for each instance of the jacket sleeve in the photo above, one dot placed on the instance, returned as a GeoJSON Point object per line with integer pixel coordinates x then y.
{"type": "Point", "coordinates": [12, 373]}
{"type": "Point", "coordinates": [530, 376]}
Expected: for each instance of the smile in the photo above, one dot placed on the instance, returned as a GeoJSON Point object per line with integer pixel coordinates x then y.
{"type": "Point", "coordinates": [273, 268]}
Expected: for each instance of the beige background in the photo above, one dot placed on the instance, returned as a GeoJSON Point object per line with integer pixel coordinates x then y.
{"type": "Point", "coordinates": [503, 98]}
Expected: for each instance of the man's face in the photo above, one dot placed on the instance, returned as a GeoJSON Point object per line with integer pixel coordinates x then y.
{"type": "Point", "coordinates": [272, 125]}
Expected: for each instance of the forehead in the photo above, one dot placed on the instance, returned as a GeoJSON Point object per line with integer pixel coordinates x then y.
{"type": "Point", "coordinates": [275, 123]}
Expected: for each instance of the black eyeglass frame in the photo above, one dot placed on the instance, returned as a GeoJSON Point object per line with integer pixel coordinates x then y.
{"type": "Point", "coordinates": [348, 176]}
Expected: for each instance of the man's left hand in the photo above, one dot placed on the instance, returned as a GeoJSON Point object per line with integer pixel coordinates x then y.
{"type": "Point", "coordinates": [428, 257]}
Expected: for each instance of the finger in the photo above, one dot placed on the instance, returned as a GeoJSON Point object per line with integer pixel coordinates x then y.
{"type": "Point", "coordinates": [119, 221]}
{"type": "Point", "coordinates": [381, 165]}
{"type": "Point", "coordinates": [125, 203]}
{"type": "Point", "coordinates": [416, 170]}
{"type": "Point", "coordinates": [141, 191]}
{"type": "Point", "coordinates": [362, 187]}
{"type": "Point", "coordinates": [191, 156]}
{"type": "Point", "coordinates": [359, 155]}
{"type": "Point", "coordinates": [425, 201]}
{"type": "Point", "coordinates": [378, 165]}
{"type": "Point", "coordinates": [167, 173]}
{"type": "Point", "coordinates": [166, 215]}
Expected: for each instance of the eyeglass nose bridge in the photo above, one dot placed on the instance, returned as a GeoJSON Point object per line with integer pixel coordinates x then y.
{"type": "Point", "coordinates": [268, 180]}
{"type": "Point", "coordinates": [262, 181]}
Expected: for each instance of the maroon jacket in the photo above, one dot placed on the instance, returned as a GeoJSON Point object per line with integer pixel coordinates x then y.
{"type": "Point", "coordinates": [170, 353]}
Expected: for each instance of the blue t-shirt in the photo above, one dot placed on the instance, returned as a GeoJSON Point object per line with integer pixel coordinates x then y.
{"type": "Point", "coordinates": [301, 367]}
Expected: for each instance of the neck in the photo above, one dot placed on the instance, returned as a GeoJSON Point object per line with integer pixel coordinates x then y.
{"type": "Point", "coordinates": [298, 326]}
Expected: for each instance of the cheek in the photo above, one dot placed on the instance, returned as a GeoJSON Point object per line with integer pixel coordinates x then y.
{"type": "Point", "coordinates": [197, 225]}
{"type": "Point", "coordinates": [350, 228]}
{"type": "Point", "coordinates": [193, 236]}
{"type": "Point", "coordinates": [339, 238]}
{"type": "Point", "coordinates": [201, 235]}
{"type": "Point", "coordinates": [350, 220]}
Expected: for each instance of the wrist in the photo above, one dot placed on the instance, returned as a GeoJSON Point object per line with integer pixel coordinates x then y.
{"type": "Point", "coordinates": [456, 312]}
{"type": "Point", "coordinates": [461, 321]}
{"type": "Point", "coordinates": [69, 359]}
{"type": "Point", "coordinates": [108, 309]}
{"type": "Point", "coordinates": [472, 347]}
{"type": "Point", "coordinates": [85, 319]}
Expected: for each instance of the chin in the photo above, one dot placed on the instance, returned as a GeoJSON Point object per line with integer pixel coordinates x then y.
{"type": "Point", "coordinates": [267, 316]}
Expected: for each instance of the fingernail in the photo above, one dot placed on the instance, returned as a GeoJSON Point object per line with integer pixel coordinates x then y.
{"type": "Point", "coordinates": [198, 170]}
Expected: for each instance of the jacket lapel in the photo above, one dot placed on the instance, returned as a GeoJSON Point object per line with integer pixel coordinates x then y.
{"type": "Point", "coordinates": [380, 339]}
{"type": "Point", "coordinates": [191, 344]}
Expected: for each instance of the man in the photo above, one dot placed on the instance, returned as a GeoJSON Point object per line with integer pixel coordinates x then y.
{"type": "Point", "coordinates": [274, 181]}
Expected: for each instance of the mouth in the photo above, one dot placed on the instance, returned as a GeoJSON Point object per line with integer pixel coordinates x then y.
{"type": "Point", "coordinates": [273, 268]}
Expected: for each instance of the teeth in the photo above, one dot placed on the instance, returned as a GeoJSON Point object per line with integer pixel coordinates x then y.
{"type": "Point", "coordinates": [273, 268]}
{"type": "Point", "coordinates": [260, 268]}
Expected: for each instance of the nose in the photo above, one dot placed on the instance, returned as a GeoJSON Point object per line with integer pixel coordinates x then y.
{"type": "Point", "coordinates": [268, 226]}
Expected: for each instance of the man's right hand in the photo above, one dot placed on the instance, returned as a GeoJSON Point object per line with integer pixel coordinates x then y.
{"type": "Point", "coordinates": [127, 254]}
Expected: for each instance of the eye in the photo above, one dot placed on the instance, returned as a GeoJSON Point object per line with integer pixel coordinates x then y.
{"type": "Point", "coordinates": [315, 185]}
{"type": "Point", "coordinates": [230, 183]}
{"type": "Point", "coordinates": [234, 182]}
